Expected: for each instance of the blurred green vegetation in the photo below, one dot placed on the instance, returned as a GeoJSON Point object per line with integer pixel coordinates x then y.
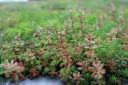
{"type": "Point", "coordinates": [23, 18]}
{"type": "Point", "coordinates": [76, 17]}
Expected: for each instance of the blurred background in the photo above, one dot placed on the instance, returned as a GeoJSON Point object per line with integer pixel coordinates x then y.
{"type": "Point", "coordinates": [44, 13]}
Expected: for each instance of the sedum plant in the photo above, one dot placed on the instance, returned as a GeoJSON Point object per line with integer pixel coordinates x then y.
{"type": "Point", "coordinates": [13, 70]}
{"type": "Point", "coordinates": [78, 55]}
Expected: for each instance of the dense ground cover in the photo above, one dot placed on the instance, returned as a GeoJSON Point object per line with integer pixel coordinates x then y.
{"type": "Point", "coordinates": [85, 44]}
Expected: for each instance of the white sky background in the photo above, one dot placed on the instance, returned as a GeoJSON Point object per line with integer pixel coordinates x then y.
{"type": "Point", "coordinates": [12, 0]}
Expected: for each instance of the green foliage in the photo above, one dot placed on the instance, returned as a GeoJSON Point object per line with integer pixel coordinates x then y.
{"type": "Point", "coordinates": [124, 72]}
{"type": "Point", "coordinates": [51, 40]}
{"type": "Point", "coordinates": [1, 71]}
{"type": "Point", "coordinates": [113, 79]}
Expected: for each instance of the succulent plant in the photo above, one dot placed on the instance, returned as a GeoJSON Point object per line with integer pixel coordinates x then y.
{"type": "Point", "coordinates": [13, 70]}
